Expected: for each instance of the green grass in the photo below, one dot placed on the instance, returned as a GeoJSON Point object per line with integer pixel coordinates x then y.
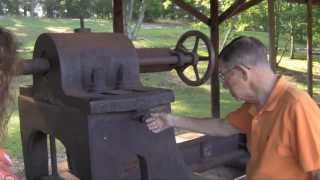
{"type": "Point", "coordinates": [190, 101]}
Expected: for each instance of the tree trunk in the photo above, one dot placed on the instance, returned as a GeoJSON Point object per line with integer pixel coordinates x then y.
{"type": "Point", "coordinates": [137, 26]}
{"type": "Point", "coordinates": [49, 12]}
{"type": "Point", "coordinates": [32, 8]}
{"type": "Point", "coordinates": [128, 11]}
{"type": "Point", "coordinates": [1, 8]}
{"type": "Point", "coordinates": [25, 10]}
{"type": "Point", "coordinates": [292, 49]}
{"type": "Point", "coordinates": [131, 26]}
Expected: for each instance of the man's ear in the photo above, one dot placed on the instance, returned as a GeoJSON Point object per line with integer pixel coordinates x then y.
{"type": "Point", "coordinates": [244, 72]}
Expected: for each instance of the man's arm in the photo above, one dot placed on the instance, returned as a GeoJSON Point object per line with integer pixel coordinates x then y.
{"type": "Point", "coordinates": [215, 127]}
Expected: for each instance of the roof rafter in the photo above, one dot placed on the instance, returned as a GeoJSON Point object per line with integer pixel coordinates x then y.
{"type": "Point", "coordinates": [229, 12]}
{"type": "Point", "coordinates": [245, 6]}
{"type": "Point", "coordinates": [187, 7]}
{"type": "Point", "coordinates": [237, 7]}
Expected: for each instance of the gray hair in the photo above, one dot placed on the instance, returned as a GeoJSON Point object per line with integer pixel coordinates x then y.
{"type": "Point", "coordinates": [244, 50]}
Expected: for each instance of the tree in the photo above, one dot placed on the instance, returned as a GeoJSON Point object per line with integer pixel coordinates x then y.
{"type": "Point", "coordinates": [102, 8]}
{"type": "Point", "coordinates": [133, 16]}
{"type": "Point", "coordinates": [154, 11]}
{"type": "Point", "coordinates": [78, 8]}
{"type": "Point", "coordinates": [2, 6]}
{"type": "Point", "coordinates": [51, 7]}
{"type": "Point", "coordinates": [29, 6]}
{"type": "Point", "coordinates": [316, 26]}
{"type": "Point", "coordinates": [13, 6]}
{"type": "Point", "coordinates": [291, 23]}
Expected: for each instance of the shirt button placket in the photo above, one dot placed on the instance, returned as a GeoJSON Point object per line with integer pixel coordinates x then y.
{"type": "Point", "coordinates": [254, 137]}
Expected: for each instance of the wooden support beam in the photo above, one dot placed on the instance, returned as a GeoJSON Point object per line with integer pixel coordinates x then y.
{"type": "Point", "coordinates": [187, 7]}
{"type": "Point", "coordinates": [245, 6]}
{"type": "Point", "coordinates": [271, 26]}
{"type": "Point", "coordinates": [214, 33]}
{"type": "Point", "coordinates": [237, 7]}
{"type": "Point", "coordinates": [309, 47]}
{"type": "Point", "coordinates": [117, 13]}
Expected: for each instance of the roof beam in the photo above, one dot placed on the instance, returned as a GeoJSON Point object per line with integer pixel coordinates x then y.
{"type": "Point", "coordinates": [237, 7]}
{"type": "Point", "coordinates": [246, 5]}
{"type": "Point", "coordinates": [229, 12]}
{"type": "Point", "coordinates": [187, 7]}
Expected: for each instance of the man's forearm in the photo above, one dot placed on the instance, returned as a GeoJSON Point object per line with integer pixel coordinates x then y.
{"type": "Point", "coordinates": [214, 127]}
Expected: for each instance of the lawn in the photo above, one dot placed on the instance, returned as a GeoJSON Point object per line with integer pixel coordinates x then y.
{"type": "Point", "coordinates": [190, 101]}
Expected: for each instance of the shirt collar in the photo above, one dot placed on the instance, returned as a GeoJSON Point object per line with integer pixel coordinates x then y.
{"type": "Point", "coordinates": [279, 88]}
{"type": "Point", "coordinates": [281, 85]}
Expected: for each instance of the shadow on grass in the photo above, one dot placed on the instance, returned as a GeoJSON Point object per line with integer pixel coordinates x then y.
{"type": "Point", "coordinates": [299, 76]}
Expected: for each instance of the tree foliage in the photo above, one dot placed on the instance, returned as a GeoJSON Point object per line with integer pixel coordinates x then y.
{"type": "Point", "coordinates": [102, 8]}
{"type": "Point", "coordinates": [290, 21]}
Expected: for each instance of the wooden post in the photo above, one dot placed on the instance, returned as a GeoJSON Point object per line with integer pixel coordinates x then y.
{"type": "Point", "coordinates": [214, 32]}
{"type": "Point", "coordinates": [271, 22]}
{"type": "Point", "coordinates": [117, 16]}
{"type": "Point", "coordinates": [309, 46]}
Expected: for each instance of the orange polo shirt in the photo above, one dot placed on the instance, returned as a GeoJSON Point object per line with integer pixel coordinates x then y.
{"type": "Point", "coordinates": [283, 138]}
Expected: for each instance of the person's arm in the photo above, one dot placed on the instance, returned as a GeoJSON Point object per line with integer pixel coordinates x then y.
{"type": "Point", "coordinates": [6, 166]}
{"type": "Point", "coordinates": [215, 127]}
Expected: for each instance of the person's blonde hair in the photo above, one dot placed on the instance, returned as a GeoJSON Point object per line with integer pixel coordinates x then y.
{"type": "Point", "coordinates": [8, 56]}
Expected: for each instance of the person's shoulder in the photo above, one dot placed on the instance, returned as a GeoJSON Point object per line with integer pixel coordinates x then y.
{"type": "Point", "coordinates": [296, 96]}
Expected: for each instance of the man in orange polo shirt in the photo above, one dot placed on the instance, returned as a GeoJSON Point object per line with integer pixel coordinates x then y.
{"type": "Point", "coordinates": [282, 123]}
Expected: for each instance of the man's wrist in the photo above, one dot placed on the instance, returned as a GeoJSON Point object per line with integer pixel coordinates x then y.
{"type": "Point", "coordinates": [171, 120]}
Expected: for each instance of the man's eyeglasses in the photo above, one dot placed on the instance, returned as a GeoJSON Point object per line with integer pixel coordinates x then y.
{"type": "Point", "coordinates": [222, 75]}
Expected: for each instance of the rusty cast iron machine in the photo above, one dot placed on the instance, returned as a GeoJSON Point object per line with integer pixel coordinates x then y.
{"type": "Point", "coordinates": [87, 93]}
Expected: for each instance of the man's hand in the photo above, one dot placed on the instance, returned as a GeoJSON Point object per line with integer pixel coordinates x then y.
{"type": "Point", "coordinates": [159, 122]}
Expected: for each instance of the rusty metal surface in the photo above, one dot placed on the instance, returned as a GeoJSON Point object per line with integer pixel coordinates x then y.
{"type": "Point", "coordinates": [89, 98]}
{"type": "Point", "coordinates": [33, 66]}
{"type": "Point", "coordinates": [87, 93]}
{"type": "Point", "coordinates": [85, 64]}
{"type": "Point", "coordinates": [100, 46]}
{"type": "Point", "coordinates": [99, 146]}
{"type": "Point", "coordinates": [182, 50]}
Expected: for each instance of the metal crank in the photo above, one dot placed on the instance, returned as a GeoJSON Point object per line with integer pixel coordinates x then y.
{"type": "Point", "coordinates": [181, 51]}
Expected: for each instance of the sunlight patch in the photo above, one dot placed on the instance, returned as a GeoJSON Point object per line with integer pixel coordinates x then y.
{"type": "Point", "coordinates": [21, 34]}
{"type": "Point", "coordinates": [139, 44]}
{"type": "Point", "coordinates": [178, 106]}
{"type": "Point", "coordinates": [19, 25]}
{"type": "Point", "coordinates": [205, 87]}
{"type": "Point", "coordinates": [58, 29]}
{"type": "Point", "coordinates": [12, 28]}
